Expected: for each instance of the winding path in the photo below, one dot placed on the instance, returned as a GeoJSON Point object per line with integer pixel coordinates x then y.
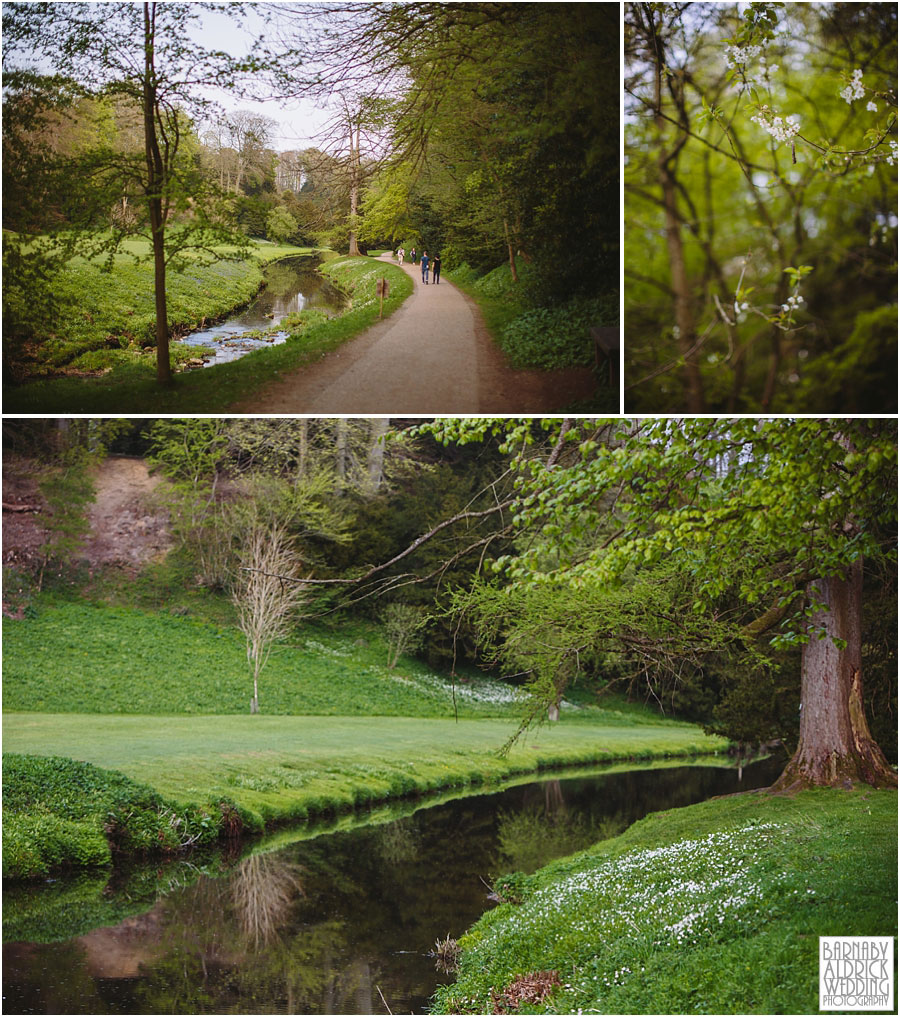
{"type": "Point", "coordinates": [432, 356]}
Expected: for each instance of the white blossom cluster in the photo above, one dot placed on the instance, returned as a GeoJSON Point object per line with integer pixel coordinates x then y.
{"type": "Point", "coordinates": [781, 128]}
{"type": "Point", "coordinates": [735, 56]}
{"type": "Point", "coordinates": [871, 107]}
{"type": "Point", "coordinates": [855, 89]}
{"type": "Point", "coordinates": [892, 158]}
{"type": "Point", "coordinates": [793, 303]}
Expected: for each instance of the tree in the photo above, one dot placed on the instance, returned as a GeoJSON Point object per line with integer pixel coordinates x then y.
{"type": "Point", "coordinates": [280, 225]}
{"type": "Point", "coordinates": [777, 515]}
{"type": "Point", "coordinates": [267, 595]}
{"type": "Point", "coordinates": [142, 55]}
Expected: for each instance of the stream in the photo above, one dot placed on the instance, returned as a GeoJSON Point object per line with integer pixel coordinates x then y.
{"type": "Point", "coordinates": [292, 285]}
{"type": "Point", "coordinates": [329, 922]}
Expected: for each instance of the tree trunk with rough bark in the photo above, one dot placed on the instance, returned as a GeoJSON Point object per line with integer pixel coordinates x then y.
{"type": "Point", "coordinates": [836, 748]}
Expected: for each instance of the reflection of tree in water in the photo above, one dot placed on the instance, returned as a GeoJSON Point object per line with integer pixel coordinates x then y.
{"type": "Point", "coordinates": [530, 837]}
{"type": "Point", "coordinates": [281, 279]}
{"type": "Point", "coordinates": [264, 889]}
{"type": "Point", "coordinates": [397, 842]}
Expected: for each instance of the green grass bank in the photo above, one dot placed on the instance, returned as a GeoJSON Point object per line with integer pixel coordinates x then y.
{"type": "Point", "coordinates": [130, 385]}
{"type": "Point", "coordinates": [161, 700]}
{"type": "Point", "coordinates": [218, 775]}
{"type": "Point", "coordinates": [713, 908]}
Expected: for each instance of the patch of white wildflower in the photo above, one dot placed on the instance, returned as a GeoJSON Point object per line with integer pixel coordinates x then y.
{"type": "Point", "coordinates": [626, 909]}
{"type": "Point", "coordinates": [474, 690]}
{"type": "Point", "coordinates": [793, 303]}
{"type": "Point", "coordinates": [325, 651]}
{"type": "Point", "coordinates": [781, 128]}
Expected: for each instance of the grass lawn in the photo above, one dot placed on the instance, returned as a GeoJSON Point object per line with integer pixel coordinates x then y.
{"type": "Point", "coordinates": [714, 908]}
{"type": "Point", "coordinates": [279, 768]}
{"type": "Point", "coordinates": [163, 699]}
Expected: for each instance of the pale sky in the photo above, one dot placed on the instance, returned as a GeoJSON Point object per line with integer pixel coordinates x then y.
{"type": "Point", "coordinates": [298, 121]}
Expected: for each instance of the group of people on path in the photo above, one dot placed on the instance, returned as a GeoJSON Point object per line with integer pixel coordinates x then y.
{"type": "Point", "coordinates": [435, 263]}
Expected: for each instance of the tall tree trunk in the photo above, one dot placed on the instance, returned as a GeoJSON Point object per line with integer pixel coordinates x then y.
{"type": "Point", "coordinates": [375, 465]}
{"type": "Point", "coordinates": [511, 251]}
{"type": "Point", "coordinates": [354, 188]}
{"type": "Point", "coordinates": [340, 453]}
{"type": "Point", "coordinates": [836, 748]}
{"type": "Point", "coordinates": [155, 180]}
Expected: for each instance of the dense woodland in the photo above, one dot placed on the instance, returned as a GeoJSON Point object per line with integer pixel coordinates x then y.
{"type": "Point", "coordinates": [488, 132]}
{"type": "Point", "coordinates": [761, 207]}
{"type": "Point", "coordinates": [712, 566]}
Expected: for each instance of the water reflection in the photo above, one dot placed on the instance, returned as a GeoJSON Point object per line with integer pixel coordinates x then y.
{"type": "Point", "coordinates": [292, 285]}
{"type": "Point", "coordinates": [329, 924]}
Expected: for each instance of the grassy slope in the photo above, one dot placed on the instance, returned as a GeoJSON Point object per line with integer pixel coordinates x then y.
{"type": "Point", "coordinates": [715, 908]}
{"type": "Point", "coordinates": [95, 683]}
{"type": "Point", "coordinates": [132, 388]}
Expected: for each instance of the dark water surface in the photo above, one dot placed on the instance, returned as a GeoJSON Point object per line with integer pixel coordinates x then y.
{"type": "Point", "coordinates": [291, 285]}
{"type": "Point", "coordinates": [327, 924]}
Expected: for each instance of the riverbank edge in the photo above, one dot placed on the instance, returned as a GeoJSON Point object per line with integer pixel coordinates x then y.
{"type": "Point", "coordinates": [217, 388]}
{"type": "Point", "coordinates": [827, 867]}
{"type": "Point", "coordinates": [41, 841]}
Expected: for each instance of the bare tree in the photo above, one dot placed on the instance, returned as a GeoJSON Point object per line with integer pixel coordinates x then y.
{"type": "Point", "coordinates": [268, 594]}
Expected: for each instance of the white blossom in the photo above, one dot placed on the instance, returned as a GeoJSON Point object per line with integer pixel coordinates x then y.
{"type": "Point", "coordinates": [735, 56]}
{"type": "Point", "coordinates": [855, 89]}
{"type": "Point", "coordinates": [781, 128]}
{"type": "Point", "coordinates": [871, 107]}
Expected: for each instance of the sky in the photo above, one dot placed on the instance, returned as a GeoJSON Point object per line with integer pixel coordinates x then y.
{"type": "Point", "coordinates": [299, 121]}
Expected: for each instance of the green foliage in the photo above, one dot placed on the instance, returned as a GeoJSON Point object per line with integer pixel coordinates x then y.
{"type": "Point", "coordinates": [403, 628]}
{"type": "Point", "coordinates": [112, 312]}
{"type": "Point", "coordinates": [61, 812]}
{"type": "Point", "coordinates": [555, 337]}
{"type": "Point", "coordinates": [760, 139]}
{"type": "Point", "coordinates": [67, 491]}
{"type": "Point", "coordinates": [687, 909]}
{"type": "Point", "coordinates": [280, 225]}
{"type": "Point", "coordinates": [215, 388]}
{"type": "Point", "coordinates": [78, 658]}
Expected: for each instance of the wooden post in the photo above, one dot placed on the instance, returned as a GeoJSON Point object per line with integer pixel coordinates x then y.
{"type": "Point", "coordinates": [381, 288]}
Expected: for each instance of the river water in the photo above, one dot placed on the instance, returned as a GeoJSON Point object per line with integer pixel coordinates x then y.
{"type": "Point", "coordinates": [335, 922]}
{"type": "Point", "coordinates": [292, 285]}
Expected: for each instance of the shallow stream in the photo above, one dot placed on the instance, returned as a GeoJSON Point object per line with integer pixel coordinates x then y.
{"type": "Point", "coordinates": [336, 921]}
{"type": "Point", "coordinates": [292, 285]}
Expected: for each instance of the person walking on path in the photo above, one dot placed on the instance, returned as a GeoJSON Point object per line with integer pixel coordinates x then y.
{"type": "Point", "coordinates": [412, 256]}
{"type": "Point", "coordinates": [400, 254]}
{"type": "Point", "coordinates": [425, 267]}
{"type": "Point", "coordinates": [436, 270]}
